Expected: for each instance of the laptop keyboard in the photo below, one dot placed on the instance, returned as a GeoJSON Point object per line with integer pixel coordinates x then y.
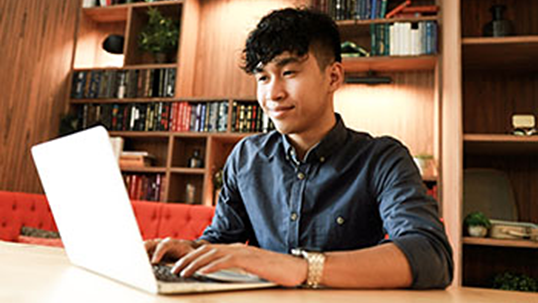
{"type": "Point", "coordinates": [164, 273]}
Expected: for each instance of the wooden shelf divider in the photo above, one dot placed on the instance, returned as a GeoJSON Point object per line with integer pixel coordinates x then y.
{"type": "Point", "coordinates": [505, 53]}
{"type": "Point", "coordinates": [500, 144]}
{"type": "Point", "coordinates": [185, 170]}
{"type": "Point", "coordinates": [500, 242]}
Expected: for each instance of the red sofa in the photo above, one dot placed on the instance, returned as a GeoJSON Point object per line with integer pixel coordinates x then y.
{"type": "Point", "coordinates": [155, 220]}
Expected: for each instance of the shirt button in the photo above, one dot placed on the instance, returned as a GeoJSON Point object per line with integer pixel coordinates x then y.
{"type": "Point", "coordinates": [340, 220]}
{"type": "Point", "coordinates": [294, 216]}
{"type": "Point", "coordinates": [300, 176]}
{"type": "Point", "coordinates": [322, 159]}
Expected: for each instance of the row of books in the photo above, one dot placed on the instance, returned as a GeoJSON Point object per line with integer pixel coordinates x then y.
{"type": "Point", "coordinates": [156, 116]}
{"type": "Point", "coordinates": [249, 118]}
{"type": "Point", "coordinates": [132, 83]}
{"type": "Point", "coordinates": [181, 116]}
{"type": "Point", "coordinates": [404, 38]}
{"type": "Point", "coordinates": [371, 9]}
{"type": "Point", "coordinates": [147, 187]}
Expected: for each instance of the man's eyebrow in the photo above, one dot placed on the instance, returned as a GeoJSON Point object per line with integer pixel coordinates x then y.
{"type": "Point", "coordinates": [287, 60]}
{"type": "Point", "coordinates": [279, 63]}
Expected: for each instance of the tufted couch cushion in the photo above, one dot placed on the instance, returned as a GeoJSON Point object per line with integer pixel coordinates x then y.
{"type": "Point", "coordinates": [155, 220]}
{"type": "Point", "coordinates": [23, 209]}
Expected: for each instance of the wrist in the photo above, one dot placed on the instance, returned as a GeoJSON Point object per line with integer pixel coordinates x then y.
{"type": "Point", "coordinates": [315, 262]}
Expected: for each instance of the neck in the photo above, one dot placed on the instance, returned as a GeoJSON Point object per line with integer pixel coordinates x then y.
{"type": "Point", "coordinates": [304, 141]}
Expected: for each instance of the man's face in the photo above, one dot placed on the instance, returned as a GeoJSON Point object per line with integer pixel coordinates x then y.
{"type": "Point", "coordinates": [294, 92]}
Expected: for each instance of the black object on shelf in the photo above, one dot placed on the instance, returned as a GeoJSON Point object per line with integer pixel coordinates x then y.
{"type": "Point", "coordinates": [370, 78]}
{"type": "Point", "coordinates": [498, 26]}
{"type": "Point", "coordinates": [114, 44]}
{"type": "Point", "coordinates": [196, 161]}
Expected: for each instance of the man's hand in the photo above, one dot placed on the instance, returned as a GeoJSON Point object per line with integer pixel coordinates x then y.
{"type": "Point", "coordinates": [170, 248]}
{"type": "Point", "coordinates": [279, 268]}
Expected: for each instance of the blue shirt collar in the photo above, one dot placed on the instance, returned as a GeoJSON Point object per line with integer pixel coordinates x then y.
{"type": "Point", "coordinates": [323, 149]}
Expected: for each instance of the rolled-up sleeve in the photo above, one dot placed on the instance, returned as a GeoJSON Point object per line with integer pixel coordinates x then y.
{"type": "Point", "coordinates": [411, 217]}
{"type": "Point", "coordinates": [230, 223]}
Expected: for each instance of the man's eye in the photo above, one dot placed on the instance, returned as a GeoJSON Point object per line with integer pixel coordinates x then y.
{"type": "Point", "coordinates": [289, 73]}
{"type": "Point", "coordinates": [262, 78]}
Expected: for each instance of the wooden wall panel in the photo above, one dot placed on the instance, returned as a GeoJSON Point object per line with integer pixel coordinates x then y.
{"type": "Point", "coordinates": [224, 26]}
{"type": "Point", "coordinates": [404, 109]}
{"type": "Point", "coordinates": [36, 51]}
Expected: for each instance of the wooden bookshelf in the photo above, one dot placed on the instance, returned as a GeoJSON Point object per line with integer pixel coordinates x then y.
{"type": "Point", "coordinates": [500, 242]}
{"type": "Point", "coordinates": [118, 12]}
{"type": "Point", "coordinates": [500, 144]}
{"type": "Point", "coordinates": [506, 53]}
{"type": "Point", "coordinates": [389, 63]}
{"type": "Point", "coordinates": [498, 80]}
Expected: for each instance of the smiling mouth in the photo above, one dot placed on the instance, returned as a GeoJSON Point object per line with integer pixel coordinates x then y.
{"type": "Point", "coordinates": [279, 111]}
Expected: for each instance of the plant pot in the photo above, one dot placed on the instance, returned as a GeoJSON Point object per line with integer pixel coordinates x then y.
{"type": "Point", "coordinates": [477, 231]}
{"type": "Point", "coordinates": [160, 58]}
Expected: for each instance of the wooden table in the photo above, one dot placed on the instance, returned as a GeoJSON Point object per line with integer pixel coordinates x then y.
{"type": "Point", "coordinates": [43, 274]}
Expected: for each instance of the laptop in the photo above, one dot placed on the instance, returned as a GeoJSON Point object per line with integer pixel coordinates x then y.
{"type": "Point", "coordinates": [95, 218]}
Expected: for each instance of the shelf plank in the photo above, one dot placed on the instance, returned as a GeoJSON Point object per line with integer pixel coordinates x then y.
{"type": "Point", "coordinates": [137, 169]}
{"type": "Point", "coordinates": [389, 63]}
{"type": "Point", "coordinates": [122, 100]}
{"type": "Point", "coordinates": [503, 53]}
{"type": "Point", "coordinates": [139, 134]}
{"type": "Point", "coordinates": [118, 12]}
{"type": "Point", "coordinates": [189, 171]}
{"type": "Point", "coordinates": [153, 99]}
{"type": "Point", "coordinates": [115, 13]}
{"type": "Point", "coordinates": [500, 242]}
{"type": "Point", "coordinates": [357, 22]}
{"type": "Point", "coordinates": [497, 144]}
{"type": "Point", "coordinates": [135, 66]}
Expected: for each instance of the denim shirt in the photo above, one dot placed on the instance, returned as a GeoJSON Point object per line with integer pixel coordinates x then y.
{"type": "Point", "coordinates": [348, 192]}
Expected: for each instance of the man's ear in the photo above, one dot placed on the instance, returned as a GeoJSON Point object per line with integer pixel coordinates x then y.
{"type": "Point", "coordinates": [336, 76]}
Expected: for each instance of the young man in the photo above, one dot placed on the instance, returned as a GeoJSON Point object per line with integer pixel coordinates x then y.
{"type": "Point", "coordinates": [314, 187]}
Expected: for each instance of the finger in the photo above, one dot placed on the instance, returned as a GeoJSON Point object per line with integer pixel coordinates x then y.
{"type": "Point", "coordinates": [216, 265]}
{"type": "Point", "coordinates": [160, 250]}
{"type": "Point", "coordinates": [190, 257]}
{"type": "Point", "coordinates": [150, 245]}
{"type": "Point", "coordinates": [202, 261]}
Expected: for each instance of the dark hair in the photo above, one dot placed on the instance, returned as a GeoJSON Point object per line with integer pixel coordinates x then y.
{"type": "Point", "coordinates": [296, 31]}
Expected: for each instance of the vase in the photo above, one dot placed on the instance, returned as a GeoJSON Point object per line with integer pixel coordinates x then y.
{"type": "Point", "coordinates": [477, 231]}
{"type": "Point", "coordinates": [160, 58]}
{"type": "Point", "coordinates": [498, 26]}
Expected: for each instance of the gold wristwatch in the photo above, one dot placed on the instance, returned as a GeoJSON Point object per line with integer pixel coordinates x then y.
{"type": "Point", "coordinates": [316, 261]}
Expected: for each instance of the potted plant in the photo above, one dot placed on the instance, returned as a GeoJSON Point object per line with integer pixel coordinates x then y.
{"type": "Point", "coordinates": [159, 36]}
{"type": "Point", "coordinates": [477, 224]}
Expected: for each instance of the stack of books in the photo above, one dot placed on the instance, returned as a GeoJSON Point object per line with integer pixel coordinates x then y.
{"type": "Point", "coordinates": [404, 38]}
{"type": "Point", "coordinates": [136, 159]}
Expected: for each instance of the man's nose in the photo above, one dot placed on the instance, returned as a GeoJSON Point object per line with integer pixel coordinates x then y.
{"type": "Point", "coordinates": [277, 91]}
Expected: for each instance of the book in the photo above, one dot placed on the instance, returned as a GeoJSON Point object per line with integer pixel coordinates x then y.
{"type": "Point", "coordinates": [398, 9]}
{"type": "Point", "coordinates": [423, 9]}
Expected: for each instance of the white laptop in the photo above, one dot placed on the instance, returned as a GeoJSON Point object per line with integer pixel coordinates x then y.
{"type": "Point", "coordinates": [91, 207]}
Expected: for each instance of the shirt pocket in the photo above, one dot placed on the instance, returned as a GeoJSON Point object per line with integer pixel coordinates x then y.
{"type": "Point", "coordinates": [346, 230]}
